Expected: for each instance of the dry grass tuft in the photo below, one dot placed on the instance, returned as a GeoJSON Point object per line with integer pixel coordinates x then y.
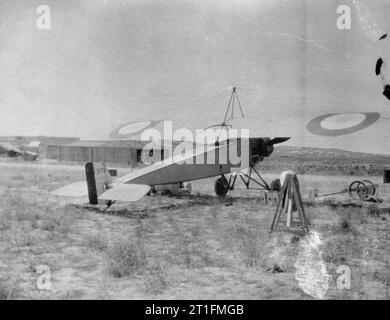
{"type": "Point", "coordinates": [347, 221]}
{"type": "Point", "coordinates": [8, 288]}
{"type": "Point", "coordinates": [4, 291]}
{"type": "Point", "coordinates": [247, 242]}
{"type": "Point", "coordinates": [97, 241]}
{"type": "Point", "coordinates": [126, 258]}
{"type": "Point", "coordinates": [58, 221]}
{"type": "Point", "coordinates": [5, 221]}
{"type": "Point", "coordinates": [346, 225]}
{"type": "Point", "coordinates": [335, 252]}
{"type": "Point", "coordinates": [344, 240]}
{"type": "Point", "coordinates": [156, 278]}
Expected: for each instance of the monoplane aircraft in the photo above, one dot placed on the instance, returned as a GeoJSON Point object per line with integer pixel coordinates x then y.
{"type": "Point", "coordinates": [213, 160]}
{"type": "Point", "coordinates": [13, 151]}
{"type": "Point", "coordinates": [9, 149]}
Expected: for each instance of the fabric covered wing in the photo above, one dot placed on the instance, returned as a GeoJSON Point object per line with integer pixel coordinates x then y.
{"type": "Point", "coordinates": [125, 192]}
{"type": "Point", "coordinates": [77, 189]}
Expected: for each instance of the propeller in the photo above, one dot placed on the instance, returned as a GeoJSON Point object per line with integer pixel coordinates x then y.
{"type": "Point", "coordinates": [278, 140]}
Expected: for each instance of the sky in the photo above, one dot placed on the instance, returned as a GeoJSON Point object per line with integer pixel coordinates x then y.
{"type": "Point", "coordinates": [104, 63]}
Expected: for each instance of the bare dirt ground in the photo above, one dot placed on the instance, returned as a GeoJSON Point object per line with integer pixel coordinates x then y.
{"type": "Point", "coordinates": [195, 248]}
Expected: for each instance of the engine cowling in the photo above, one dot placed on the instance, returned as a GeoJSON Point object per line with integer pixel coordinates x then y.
{"type": "Point", "coordinates": [260, 148]}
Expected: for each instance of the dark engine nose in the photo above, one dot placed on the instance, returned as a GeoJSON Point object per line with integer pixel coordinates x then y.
{"type": "Point", "coordinates": [259, 148]}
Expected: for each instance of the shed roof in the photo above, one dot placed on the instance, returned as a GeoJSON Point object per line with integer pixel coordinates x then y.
{"type": "Point", "coordinates": [110, 144]}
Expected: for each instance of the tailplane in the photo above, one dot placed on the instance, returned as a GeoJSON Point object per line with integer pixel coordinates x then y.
{"type": "Point", "coordinates": [98, 186]}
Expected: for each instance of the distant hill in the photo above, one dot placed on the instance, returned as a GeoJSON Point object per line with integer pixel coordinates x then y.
{"type": "Point", "coordinates": [325, 161]}
{"type": "Point", "coordinates": [319, 153]}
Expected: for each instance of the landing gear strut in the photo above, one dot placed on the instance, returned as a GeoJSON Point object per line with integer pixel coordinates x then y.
{"type": "Point", "coordinates": [260, 181]}
{"type": "Point", "coordinates": [222, 185]}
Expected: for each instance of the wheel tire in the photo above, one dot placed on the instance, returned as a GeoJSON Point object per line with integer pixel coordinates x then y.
{"type": "Point", "coordinates": [275, 185]}
{"type": "Point", "coordinates": [221, 187]}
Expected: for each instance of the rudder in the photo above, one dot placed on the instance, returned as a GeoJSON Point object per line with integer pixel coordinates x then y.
{"type": "Point", "coordinates": [98, 179]}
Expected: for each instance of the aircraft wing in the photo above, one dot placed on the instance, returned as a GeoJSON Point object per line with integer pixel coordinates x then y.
{"type": "Point", "coordinates": [125, 192]}
{"type": "Point", "coordinates": [76, 190]}
{"type": "Point", "coordinates": [177, 168]}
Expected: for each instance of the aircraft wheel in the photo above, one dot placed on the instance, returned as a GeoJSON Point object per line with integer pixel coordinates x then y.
{"type": "Point", "coordinates": [275, 185]}
{"type": "Point", "coordinates": [221, 186]}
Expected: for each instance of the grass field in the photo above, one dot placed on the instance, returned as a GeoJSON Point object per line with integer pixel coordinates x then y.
{"type": "Point", "coordinates": [200, 248]}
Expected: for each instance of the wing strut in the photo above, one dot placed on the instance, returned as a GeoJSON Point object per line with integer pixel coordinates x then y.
{"type": "Point", "coordinates": [230, 107]}
{"type": "Point", "coordinates": [233, 98]}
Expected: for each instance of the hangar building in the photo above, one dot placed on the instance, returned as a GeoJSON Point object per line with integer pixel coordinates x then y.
{"type": "Point", "coordinates": [118, 152]}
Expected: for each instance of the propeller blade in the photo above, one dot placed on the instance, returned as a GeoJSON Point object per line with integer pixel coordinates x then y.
{"type": "Point", "coordinates": [278, 140]}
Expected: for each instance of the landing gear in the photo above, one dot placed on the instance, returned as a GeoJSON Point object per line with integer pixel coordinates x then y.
{"type": "Point", "coordinates": [247, 178]}
{"type": "Point", "coordinates": [221, 186]}
{"type": "Point", "coordinates": [109, 203]}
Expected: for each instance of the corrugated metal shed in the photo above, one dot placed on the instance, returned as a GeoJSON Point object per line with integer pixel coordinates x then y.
{"type": "Point", "coordinates": [108, 144]}
{"type": "Point", "coordinates": [120, 152]}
